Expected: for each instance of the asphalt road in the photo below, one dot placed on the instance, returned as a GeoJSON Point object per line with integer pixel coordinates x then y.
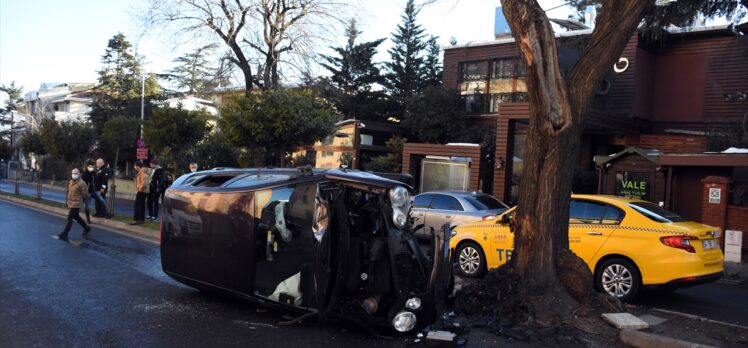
{"type": "Point", "coordinates": [109, 291]}
{"type": "Point", "coordinates": [716, 301]}
{"type": "Point", "coordinates": [123, 207]}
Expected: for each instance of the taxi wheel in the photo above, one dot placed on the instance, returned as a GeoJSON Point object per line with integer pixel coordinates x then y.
{"type": "Point", "coordinates": [470, 260]}
{"type": "Point", "coordinates": [618, 278]}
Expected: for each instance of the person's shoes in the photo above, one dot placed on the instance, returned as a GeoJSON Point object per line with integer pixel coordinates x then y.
{"type": "Point", "coordinates": [86, 230]}
{"type": "Point", "coordinates": [149, 218]}
{"type": "Point", "coordinates": [61, 236]}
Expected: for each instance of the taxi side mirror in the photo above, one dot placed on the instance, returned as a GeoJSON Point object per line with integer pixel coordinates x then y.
{"type": "Point", "coordinates": [505, 219]}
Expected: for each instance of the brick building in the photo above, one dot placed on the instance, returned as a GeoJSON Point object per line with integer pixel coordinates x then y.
{"type": "Point", "coordinates": [682, 97]}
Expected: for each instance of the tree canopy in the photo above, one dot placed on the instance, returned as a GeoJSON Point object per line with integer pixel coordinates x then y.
{"type": "Point", "coordinates": [276, 122]}
{"type": "Point", "coordinates": [170, 132]}
{"type": "Point", "coordinates": [120, 86]}
{"type": "Point", "coordinates": [405, 68]}
{"type": "Point", "coordinates": [354, 75]}
{"type": "Point", "coordinates": [196, 75]}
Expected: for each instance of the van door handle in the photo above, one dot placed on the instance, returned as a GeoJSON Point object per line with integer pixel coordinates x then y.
{"type": "Point", "coordinates": [595, 233]}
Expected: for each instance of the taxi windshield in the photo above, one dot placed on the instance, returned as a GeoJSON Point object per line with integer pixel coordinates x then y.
{"type": "Point", "coordinates": [655, 213]}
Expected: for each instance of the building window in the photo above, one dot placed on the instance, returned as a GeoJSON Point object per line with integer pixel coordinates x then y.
{"type": "Point", "coordinates": [486, 84]}
{"type": "Point", "coordinates": [474, 71]}
{"type": "Point", "coordinates": [473, 103]}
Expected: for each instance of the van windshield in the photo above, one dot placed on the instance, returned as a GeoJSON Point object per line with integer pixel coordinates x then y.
{"type": "Point", "coordinates": [655, 213]}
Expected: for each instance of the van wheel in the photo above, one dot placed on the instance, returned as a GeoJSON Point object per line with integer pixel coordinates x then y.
{"type": "Point", "coordinates": [470, 260]}
{"type": "Point", "coordinates": [618, 278]}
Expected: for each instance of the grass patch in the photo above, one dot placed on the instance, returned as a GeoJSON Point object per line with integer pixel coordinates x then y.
{"type": "Point", "coordinates": [154, 225]}
{"type": "Point", "coordinates": [33, 199]}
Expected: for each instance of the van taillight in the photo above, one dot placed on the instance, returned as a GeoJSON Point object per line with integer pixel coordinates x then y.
{"type": "Point", "coordinates": [680, 242]}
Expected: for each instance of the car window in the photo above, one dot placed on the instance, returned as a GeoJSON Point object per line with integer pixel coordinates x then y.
{"type": "Point", "coordinates": [213, 180]}
{"type": "Point", "coordinates": [257, 179]}
{"type": "Point", "coordinates": [444, 202]}
{"type": "Point", "coordinates": [586, 212]}
{"type": "Point", "coordinates": [612, 215]}
{"type": "Point", "coordinates": [485, 202]}
{"type": "Point", "coordinates": [655, 213]}
{"type": "Point", "coordinates": [422, 201]}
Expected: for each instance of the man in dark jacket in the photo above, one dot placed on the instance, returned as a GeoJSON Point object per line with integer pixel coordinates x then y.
{"type": "Point", "coordinates": [154, 192]}
{"type": "Point", "coordinates": [101, 183]}
{"type": "Point", "coordinates": [88, 178]}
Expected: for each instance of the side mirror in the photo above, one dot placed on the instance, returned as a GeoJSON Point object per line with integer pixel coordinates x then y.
{"type": "Point", "coordinates": [505, 219]}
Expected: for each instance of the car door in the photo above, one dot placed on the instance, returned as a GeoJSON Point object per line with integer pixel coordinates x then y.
{"type": "Point", "coordinates": [591, 223]}
{"type": "Point", "coordinates": [418, 213]}
{"type": "Point", "coordinates": [443, 210]}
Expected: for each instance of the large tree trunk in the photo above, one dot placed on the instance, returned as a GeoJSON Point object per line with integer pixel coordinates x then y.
{"type": "Point", "coordinates": [557, 108]}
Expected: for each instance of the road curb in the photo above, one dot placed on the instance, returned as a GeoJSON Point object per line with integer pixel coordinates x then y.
{"type": "Point", "coordinates": [699, 318]}
{"type": "Point", "coordinates": [640, 339]}
{"type": "Point", "coordinates": [147, 233]}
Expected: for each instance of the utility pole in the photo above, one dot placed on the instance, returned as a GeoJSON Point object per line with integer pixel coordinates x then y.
{"type": "Point", "coordinates": [142, 104]}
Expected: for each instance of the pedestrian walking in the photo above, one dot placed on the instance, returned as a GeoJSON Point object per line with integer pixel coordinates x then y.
{"type": "Point", "coordinates": [101, 183]}
{"type": "Point", "coordinates": [77, 194]}
{"type": "Point", "coordinates": [155, 189]}
{"type": "Point", "coordinates": [88, 178]}
{"type": "Point", "coordinates": [141, 189]}
{"type": "Point", "coordinates": [193, 167]}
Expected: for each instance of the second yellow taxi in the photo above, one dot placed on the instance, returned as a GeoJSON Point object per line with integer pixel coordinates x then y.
{"type": "Point", "coordinates": [627, 244]}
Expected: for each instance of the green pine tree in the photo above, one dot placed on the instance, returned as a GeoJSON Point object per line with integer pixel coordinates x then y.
{"type": "Point", "coordinates": [119, 90]}
{"type": "Point", "coordinates": [431, 75]}
{"type": "Point", "coordinates": [354, 73]}
{"type": "Point", "coordinates": [404, 76]}
{"type": "Point", "coordinates": [195, 75]}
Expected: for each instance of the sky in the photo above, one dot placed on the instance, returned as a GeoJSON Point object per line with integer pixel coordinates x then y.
{"type": "Point", "coordinates": [56, 41]}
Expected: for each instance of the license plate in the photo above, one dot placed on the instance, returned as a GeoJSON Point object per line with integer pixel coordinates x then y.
{"type": "Point", "coordinates": [709, 244]}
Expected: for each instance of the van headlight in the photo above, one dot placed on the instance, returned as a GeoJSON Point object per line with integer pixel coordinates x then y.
{"type": "Point", "coordinates": [400, 199]}
{"type": "Point", "coordinates": [404, 321]}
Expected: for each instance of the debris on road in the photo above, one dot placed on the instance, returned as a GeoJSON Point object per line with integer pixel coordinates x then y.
{"type": "Point", "coordinates": [625, 321]}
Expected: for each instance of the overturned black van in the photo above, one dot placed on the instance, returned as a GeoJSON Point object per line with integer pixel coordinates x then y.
{"type": "Point", "coordinates": [335, 244]}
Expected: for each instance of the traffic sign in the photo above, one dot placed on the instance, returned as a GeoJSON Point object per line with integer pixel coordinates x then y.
{"type": "Point", "coordinates": [142, 154]}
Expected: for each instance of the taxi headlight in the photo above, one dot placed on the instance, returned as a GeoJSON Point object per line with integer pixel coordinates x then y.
{"type": "Point", "coordinates": [404, 321]}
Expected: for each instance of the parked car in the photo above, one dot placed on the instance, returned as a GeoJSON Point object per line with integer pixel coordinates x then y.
{"type": "Point", "coordinates": [335, 244]}
{"type": "Point", "coordinates": [626, 243]}
{"type": "Point", "coordinates": [436, 208]}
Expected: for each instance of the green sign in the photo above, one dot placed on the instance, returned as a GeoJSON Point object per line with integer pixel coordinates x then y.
{"type": "Point", "coordinates": [634, 185]}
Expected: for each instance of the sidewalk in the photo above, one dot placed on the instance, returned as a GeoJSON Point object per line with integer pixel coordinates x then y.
{"type": "Point", "coordinates": [61, 188]}
{"type": "Point", "coordinates": [120, 227]}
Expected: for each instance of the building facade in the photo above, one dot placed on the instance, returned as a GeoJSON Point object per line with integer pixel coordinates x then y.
{"type": "Point", "coordinates": [682, 95]}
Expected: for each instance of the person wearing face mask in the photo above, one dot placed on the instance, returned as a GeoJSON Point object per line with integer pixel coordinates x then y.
{"type": "Point", "coordinates": [77, 194]}
{"type": "Point", "coordinates": [193, 167]}
{"type": "Point", "coordinates": [88, 178]}
{"type": "Point", "coordinates": [101, 184]}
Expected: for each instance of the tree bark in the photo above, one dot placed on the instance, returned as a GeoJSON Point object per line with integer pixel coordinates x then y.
{"type": "Point", "coordinates": [557, 109]}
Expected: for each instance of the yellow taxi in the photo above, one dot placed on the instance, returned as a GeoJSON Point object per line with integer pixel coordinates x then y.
{"type": "Point", "coordinates": [627, 244]}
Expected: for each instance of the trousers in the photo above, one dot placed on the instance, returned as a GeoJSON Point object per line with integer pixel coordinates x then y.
{"type": "Point", "coordinates": [74, 214]}
{"type": "Point", "coordinates": [139, 206]}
